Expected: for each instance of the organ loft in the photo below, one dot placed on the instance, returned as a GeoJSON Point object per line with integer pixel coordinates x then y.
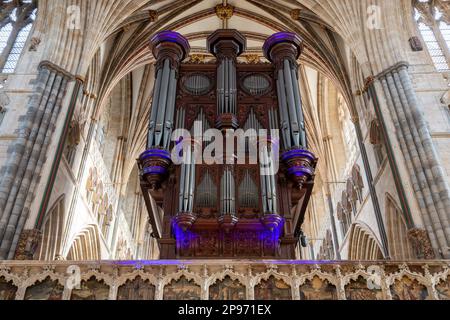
{"type": "Point", "coordinates": [230, 208]}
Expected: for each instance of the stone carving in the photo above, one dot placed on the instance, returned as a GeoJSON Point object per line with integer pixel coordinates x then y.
{"type": "Point", "coordinates": [28, 243]}
{"type": "Point", "coordinates": [182, 289]}
{"type": "Point", "coordinates": [91, 290]}
{"type": "Point", "coordinates": [318, 289]}
{"type": "Point", "coordinates": [408, 289]}
{"type": "Point", "coordinates": [421, 244]}
{"type": "Point", "coordinates": [137, 289]}
{"type": "Point", "coordinates": [416, 44]}
{"type": "Point", "coordinates": [34, 44]}
{"type": "Point", "coordinates": [45, 290]}
{"type": "Point", "coordinates": [227, 290]}
{"type": "Point", "coordinates": [443, 289]}
{"type": "Point", "coordinates": [273, 289]}
{"type": "Point", "coordinates": [359, 290]}
{"type": "Point", "coordinates": [225, 279]}
{"type": "Point", "coordinates": [7, 290]}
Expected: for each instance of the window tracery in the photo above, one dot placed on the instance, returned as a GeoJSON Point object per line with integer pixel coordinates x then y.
{"type": "Point", "coordinates": [433, 22]}
{"type": "Point", "coordinates": [16, 21]}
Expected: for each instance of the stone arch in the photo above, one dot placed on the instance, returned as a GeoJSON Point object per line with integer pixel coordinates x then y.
{"type": "Point", "coordinates": [318, 288]}
{"type": "Point", "coordinates": [228, 288]}
{"type": "Point", "coordinates": [85, 246]}
{"type": "Point", "coordinates": [272, 285]}
{"type": "Point", "coordinates": [397, 231]}
{"type": "Point", "coordinates": [7, 289]}
{"type": "Point", "coordinates": [46, 289]}
{"type": "Point", "coordinates": [182, 288]}
{"type": "Point", "coordinates": [363, 245]}
{"type": "Point", "coordinates": [91, 289]}
{"type": "Point", "coordinates": [137, 288]}
{"type": "Point", "coordinates": [52, 232]}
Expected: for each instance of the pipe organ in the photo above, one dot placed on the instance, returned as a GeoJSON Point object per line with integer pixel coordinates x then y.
{"type": "Point", "coordinates": [246, 200]}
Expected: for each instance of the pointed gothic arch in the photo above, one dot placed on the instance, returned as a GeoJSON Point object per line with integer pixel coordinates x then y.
{"type": "Point", "coordinates": [399, 244]}
{"type": "Point", "coordinates": [85, 246]}
{"type": "Point", "coordinates": [363, 245]}
{"type": "Point", "coordinates": [52, 231]}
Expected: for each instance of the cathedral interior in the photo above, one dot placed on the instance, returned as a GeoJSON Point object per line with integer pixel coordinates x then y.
{"type": "Point", "coordinates": [354, 96]}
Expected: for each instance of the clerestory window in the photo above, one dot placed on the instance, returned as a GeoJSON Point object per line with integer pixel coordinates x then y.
{"type": "Point", "coordinates": [16, 21]}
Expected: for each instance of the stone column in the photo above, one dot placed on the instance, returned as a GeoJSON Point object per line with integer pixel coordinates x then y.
{"type": "Point", "coordinates": [283, 50]}
{"type": "Point", "coordinates": [426, 173]}
{"type": "Point", "coordinates": [169, 49]}
{"type": "Point", "coordinates": [28, 154]}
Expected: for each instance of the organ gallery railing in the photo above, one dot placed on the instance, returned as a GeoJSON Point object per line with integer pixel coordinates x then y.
{"type": "Point", "coordinates": [224, 280]}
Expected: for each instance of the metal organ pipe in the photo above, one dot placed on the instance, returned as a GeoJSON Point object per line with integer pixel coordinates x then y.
{"type": "Point", "coordinates": [170, 110]}
{"type": "Point", "coordinates": [169, 48]}
{"type": "Point", "coordinates": [154, 112]}
{"type": "Point", "coordinates": [299, 107]}
{"type": "Point", "coordinates": [284, 113]}
{"type": "Point", "coordinates": [289, 87]}
{"type": "Point", "coordinates": [162, 105]}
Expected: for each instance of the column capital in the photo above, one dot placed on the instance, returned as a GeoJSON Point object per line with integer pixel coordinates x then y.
{"type": "Point", "coordinates": [45, 64]}
{"type": "Point", "coordinates": [228, 43]}
{"type": "Point", "coordinates": [283, 45]}
{"type": "Point", "coordinates": [170, 45]}
{"type": "Point", "coordinates": [396, 67]}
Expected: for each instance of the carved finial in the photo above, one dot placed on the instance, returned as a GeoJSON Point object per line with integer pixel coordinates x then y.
{"type": "Point", "coordinates": [205, 271]}
{"type": "Point", "coordinates": [139, 266]}
{"type": "Point", "coordinates": [26, 272]}
{"type": "Point", "coordinates": [229, 267]}
{"type": "Point", "coordinates": [338, 271]}
{"type": "Point", "coordinates": [403, 267]}
{"type": "Point", "coordinates": [316, 267]}
{"type": "Point", "coordinates": [48, 268]}
{"type": "Point", "coordinates": [115, 271]}
{"type": "Point", "coordinates": [94, 267]}
{"type": "Point", "coordinates": [182, 267]}
{"type": "Point", "coordinates": [5, 269]}
{"type": "Point", "coordinates": [294, 270]}
{"type": "Point", "coordinates": [272, 267]}
{"type": "Point", "coordinates": [426, 269]}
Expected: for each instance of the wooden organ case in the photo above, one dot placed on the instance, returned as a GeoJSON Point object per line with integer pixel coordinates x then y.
{"type": "Point", "coordinates": [234, 209]}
